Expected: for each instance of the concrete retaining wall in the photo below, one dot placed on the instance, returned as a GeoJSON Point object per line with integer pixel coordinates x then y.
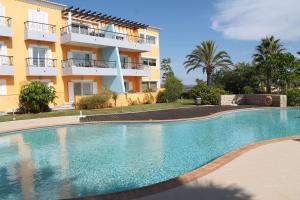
{"type": "Point", "coordinates": [253, 99]}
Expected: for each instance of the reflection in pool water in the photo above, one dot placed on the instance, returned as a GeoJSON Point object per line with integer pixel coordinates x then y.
{"type": "Point", "coordinates": [81, 160]}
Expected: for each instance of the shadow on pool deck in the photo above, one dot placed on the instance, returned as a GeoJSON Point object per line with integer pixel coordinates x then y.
{"type": "Point", "coordinates": [171, 114]}
{"type": "Point", "coordinates": [208, 191]}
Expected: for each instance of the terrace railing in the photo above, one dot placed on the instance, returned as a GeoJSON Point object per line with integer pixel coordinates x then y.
{"type": "Point", "coordinates": [40, 27]}
{"type": "Point", "coordinates": [131, 65]}
{"type": "Point", "coordinates": [6, 60]}
{"type": "Point", "coordinates": [5, 21]}
{"type": "Point", "coordinates": [41, 62]}
{"type": "Point", "coordinates": [88, 63]}
{"type": "Point", "coordinates": [84, 30]}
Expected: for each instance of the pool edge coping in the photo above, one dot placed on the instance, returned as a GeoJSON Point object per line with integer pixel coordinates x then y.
{"type": "Point", "coordinates": [186, 178]}
{"type": "Point", "coordinates": [77, 122]}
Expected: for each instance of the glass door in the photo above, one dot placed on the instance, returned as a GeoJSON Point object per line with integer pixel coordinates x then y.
{"type": "Point", "coordinates": [39, 55]}
{"type": "Point", "coordinates": [124, 61]}
{"type": "Point", "coordinates": [83, 88]}
{"type": "Point", "coordinates": [82, 59]}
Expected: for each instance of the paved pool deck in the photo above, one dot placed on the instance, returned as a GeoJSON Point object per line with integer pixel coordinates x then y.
{"type": "Point", "coordinates": [37, 123]}
{"type": "Point", "coordinates": [269, 172]}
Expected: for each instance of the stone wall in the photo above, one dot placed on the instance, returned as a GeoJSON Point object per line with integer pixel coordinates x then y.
{"type": "Point", "coordinates": [253, 99]}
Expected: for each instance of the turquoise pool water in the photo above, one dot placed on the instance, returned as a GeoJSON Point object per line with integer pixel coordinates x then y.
{"type": "Point", "coordinates": [81, 160]}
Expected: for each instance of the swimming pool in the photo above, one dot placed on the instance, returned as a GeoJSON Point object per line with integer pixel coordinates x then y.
{"type": "Point", "coordinates": [92, 159]}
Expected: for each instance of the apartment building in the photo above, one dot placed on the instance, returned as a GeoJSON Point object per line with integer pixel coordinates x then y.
{"type": "Point", "coordinates": [77, 51]}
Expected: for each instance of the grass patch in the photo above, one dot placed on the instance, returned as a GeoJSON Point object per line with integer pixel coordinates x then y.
{"type": "Point", "coordinates": [134, 108]}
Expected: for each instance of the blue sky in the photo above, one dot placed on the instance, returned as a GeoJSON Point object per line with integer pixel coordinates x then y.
{"type": "Point", "coordinates": [235, 25]}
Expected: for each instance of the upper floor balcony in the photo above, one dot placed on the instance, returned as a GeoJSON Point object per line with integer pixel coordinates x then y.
{"type": "Point", "coordinates": [88, 67]}
{"type": "Point", "coordinates": [83, 35]}
{"type": "Point", "coordinates": [41, 67]}
{"type": "Point", "coordinates": [40, 31]}
{"type": "Point", "coordinates": [134, 69]}
{"type": "Point", "coordinates": [6, 66]}
{"type": "Point", "coordinates": [5, 26]}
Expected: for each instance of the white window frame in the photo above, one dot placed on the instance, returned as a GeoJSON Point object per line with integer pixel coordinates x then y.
{"type": "Point", "coordinates": [3, 87]}
{"type": "Point", "coordinates": [71, 87]}
{"type": "Point", "coordinates": [47, 56]}
{"type": "Point", "coordinates": [148, 83]}
{"type": "Point", "coordinates": [149, 57]}
{"type": "Point", "coordinates": [145, 37]}
{"type": "Point", "coordinates": [38, 27]}
{"type": "Point", "coordinates": [2, 21]}
{"type": "Point", "coordinates": [130, 85]}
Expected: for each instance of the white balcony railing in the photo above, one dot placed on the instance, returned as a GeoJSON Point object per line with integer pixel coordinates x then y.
{"type": "Point", "coordinates": [84, 30]}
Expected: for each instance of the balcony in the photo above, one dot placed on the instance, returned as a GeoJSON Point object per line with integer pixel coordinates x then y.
{"type": "Point", "coordinates": [5, 26]}
{"type": "Point", "coordinates": [81, 67]}
{"type": "Point", "coordinates": [41, 67]}
{"type": "Point", "coordinates": [40, 31]}
{"type": "Point", "coordinates": [134, 69]}
{"type": "Point", "coordinates": [83, 35]}
{"type": "Point", "coordinates": [6, 66]}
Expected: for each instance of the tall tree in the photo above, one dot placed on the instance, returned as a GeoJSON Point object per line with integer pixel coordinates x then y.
{"type": "Point", "coordinates": [266, 58]}
{"type": "Point", "coordinates": [286, 74]}
{"type": "Point", "coordinates": [206, 57]}
{"type": "Point", "coordinates": [166, 68]}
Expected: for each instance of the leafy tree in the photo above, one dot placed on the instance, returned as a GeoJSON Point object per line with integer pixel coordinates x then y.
{"type": "Point", "coordinates": [266, 58]}
{"type": "Point", "coordinates": [242, 79]}
{"type": "Point", "coordinates": [206, 57]}
{"type": "Point", "coordinates": [173, 90]}
{"type": "Point", "coordinates": [35, 97]}
{"type": "Point", "coordinates": [293, 97]}
{"type": "Point", "coordinates": [287, 71]}
{"type": "Point", "coordinates": [166, 68]}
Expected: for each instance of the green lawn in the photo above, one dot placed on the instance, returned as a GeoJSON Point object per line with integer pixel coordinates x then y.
{"type": "Point", "coordinates": [134, 108]}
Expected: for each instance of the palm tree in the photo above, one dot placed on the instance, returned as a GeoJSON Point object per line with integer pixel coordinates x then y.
{"type": "Point", "coordinates": [206, 57]}
{"type": "Point", "coordinates": [265, 58]}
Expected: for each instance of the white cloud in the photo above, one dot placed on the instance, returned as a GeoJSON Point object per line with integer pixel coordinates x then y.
{"type": "Point", "coordinates": [255, 19]}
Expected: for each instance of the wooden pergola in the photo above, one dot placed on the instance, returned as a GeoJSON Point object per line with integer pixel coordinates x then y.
{"type": "Point", "coordinates": [89, 15]}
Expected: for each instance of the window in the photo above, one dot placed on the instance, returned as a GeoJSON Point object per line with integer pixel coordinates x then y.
{"type": "Point", "coordinates": [40, 56]}
{"type": "Point", "coordinates": [126, 62]}
{"type": "Point", "coordinates": [83, 88]}
{"type": "Point", "coordinates": [151, 39]}
{"type": "Point", "coordinates": [80, 28]}
{"type": "Point", "coordinates": [128, 86]}
{"type": "Point", "coordinates": [2, 20]}
{"type": "Point", "coordinates": [149, 85]}
{"type": "Point", "coordinates": [41, 18]}
{"type": "Point", "coordinates": [149, 62]}
{"type": "Point", "coordinates": [3, 90]}
{"type": "Point", "coordinates": [82, 59]}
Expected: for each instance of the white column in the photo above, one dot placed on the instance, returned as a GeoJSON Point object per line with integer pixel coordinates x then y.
{"type": "Point", "coordinates": [69, 21]}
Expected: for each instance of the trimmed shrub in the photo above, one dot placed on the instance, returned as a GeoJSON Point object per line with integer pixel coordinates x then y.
{"type": "Point", "coordinates": [35, 97]}
{"type": "Point", "coordinates": [209, 95]}
{"type": "Point", "coordinates": [173, 90]}
{"type": "Point", "coordinates": [95, 101]}
{"type": "Point", "coordinates": [293, 97]}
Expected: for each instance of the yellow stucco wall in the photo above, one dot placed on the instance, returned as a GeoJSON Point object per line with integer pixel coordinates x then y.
{"type": "Point", "coordinates": [18, 48]}
{"type": "Point", "coordinates": [153, 53]}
